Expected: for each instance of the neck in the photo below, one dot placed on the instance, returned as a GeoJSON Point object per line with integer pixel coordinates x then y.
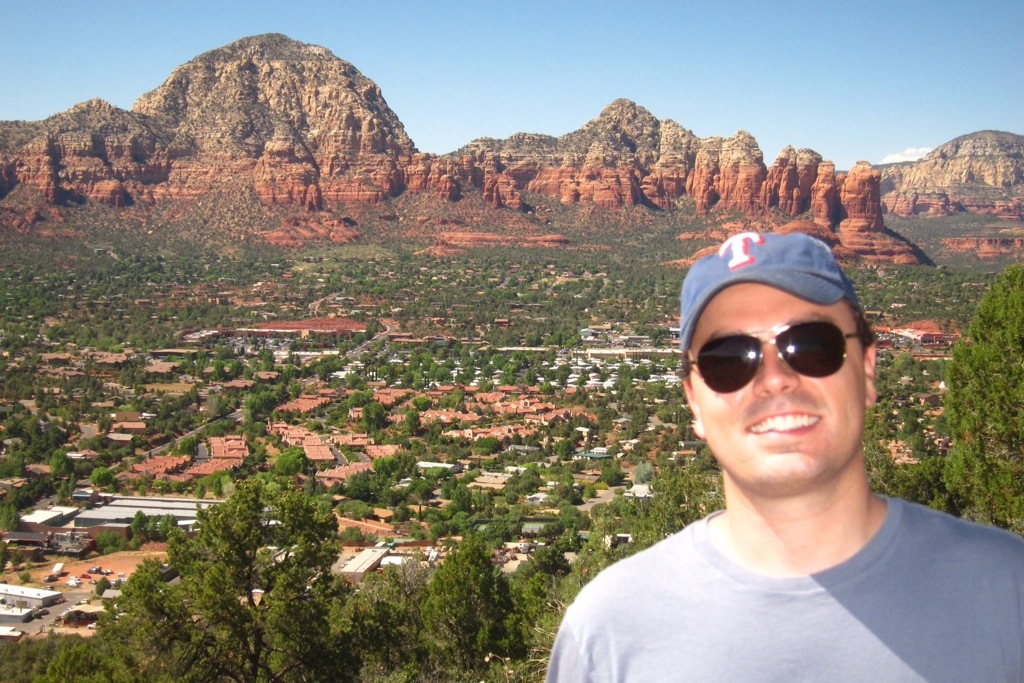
{"type": "Point", "coordinates": [797, 535]}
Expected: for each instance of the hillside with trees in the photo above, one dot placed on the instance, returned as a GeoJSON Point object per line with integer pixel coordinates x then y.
{"type": "Point", "coordinates": [502, 424]}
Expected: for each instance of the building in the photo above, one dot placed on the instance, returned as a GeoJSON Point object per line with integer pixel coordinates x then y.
{"type": "Point", "coordinates": [82, 614]}
{"type": "Point", "coordinates": [122, 510]}
{"type": "Point", "coordinates": [362, 564]}
{"type": "Point", "coordinates": [9, 634]}
{"type": "Point", "coordinates": [32, 598]}
{"type": "Point", "coordinates": [424, 465]}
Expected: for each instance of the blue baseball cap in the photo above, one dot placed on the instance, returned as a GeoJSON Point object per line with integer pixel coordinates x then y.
{"type": "Point", "coordinates": [795, 263]}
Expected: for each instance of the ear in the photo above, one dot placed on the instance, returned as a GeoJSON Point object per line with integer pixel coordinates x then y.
{"type": "Point", "coordinates": [870, 390]}
{"type": "Point", "coordinates": [698, 424]}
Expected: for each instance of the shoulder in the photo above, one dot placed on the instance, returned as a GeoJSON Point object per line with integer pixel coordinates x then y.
{"type": "Point", "coordinates": [960, 537]}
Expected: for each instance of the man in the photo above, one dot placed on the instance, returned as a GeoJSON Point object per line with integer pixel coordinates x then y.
{"type": "Point", "coordinates": [806, 574]}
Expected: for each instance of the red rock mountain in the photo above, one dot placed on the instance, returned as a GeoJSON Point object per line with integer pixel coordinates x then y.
{"type": "Point", "coordinates": [300, 127]}
{"type": "Point", "coordinates": [979, 173]}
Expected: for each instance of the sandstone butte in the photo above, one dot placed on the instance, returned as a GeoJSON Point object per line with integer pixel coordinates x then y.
{"type": "Point", "coordinates": [980, 173]}
{"type": "Point", "coordinates": [304, 128]}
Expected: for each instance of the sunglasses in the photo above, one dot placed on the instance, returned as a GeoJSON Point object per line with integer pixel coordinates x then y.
{"type": "Point", "coordinates": [816, 349]}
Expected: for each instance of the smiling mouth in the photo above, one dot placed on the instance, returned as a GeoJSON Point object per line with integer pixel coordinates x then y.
{"type": "Point", "coordinates": [784, 423]}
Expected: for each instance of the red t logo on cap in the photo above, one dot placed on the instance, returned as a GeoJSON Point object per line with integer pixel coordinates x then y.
{"type": "Point", "coordinates": [739, 245]}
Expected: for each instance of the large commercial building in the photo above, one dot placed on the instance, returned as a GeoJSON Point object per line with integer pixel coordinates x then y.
{"type": "Point", "coordinates": [18, 602]}
{"type": "Point", "coordinates": [122, 510]}
{"type": "Point", "coordinates": [52, 517]}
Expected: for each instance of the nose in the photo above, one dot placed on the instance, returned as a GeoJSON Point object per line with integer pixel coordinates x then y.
{"type": "Point", "coordinates": [773, 376]}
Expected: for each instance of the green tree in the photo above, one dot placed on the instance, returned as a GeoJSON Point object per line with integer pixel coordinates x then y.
{"type": "Point", "coordinates": [65, 491]}
{"type": "Point", "coordinates": [355, 509]}
{"type": "Point", "coordinates": [138, 526]}
{"type": "Point", "coordinates": [421, 403]}
{"type": "Point", "coordinates": [259, 405]}
{"type": "Point", "coordinates": [548, 559]}
{"type": "Point", "coordinates": [412, 423]}
{"type": "Point", "coordinates": [101, 476]}
{"type": "Point", "coordinates": [375, 417]}
{"type": "Point", "coordinates": [386, 621]}
{"type": "Point", "coordinates": [217, 485]}
{"type": "Point", "coordinates": [61, 465]}
{"type": "Point", "coordinates": [254, 600]}
{"type": "Point", "coordinates": [45, 660]}
{"type": "Point", "coordinates": [291, 461]}
{"type": "Point", "coordinates": [643, 473]}
{"type": "Point", "coordinates": [468, 611]}
{"type": "Point", "coordinates": [188, 445]}
{"type": "Point", "coordinates": [167, 526]}
{"type": "Point", "coordinates": [985, 408]}
{"type": "Point", "coordinates": [611, 473]}
{"type": "Point", "coordinates": [9, 517]}
{"type": "Point", "coordinates": [110, 542]}
{"type": "Point", "coordinates": [85, 662]}
{"type": "Point", "coordinates": [461, 498]}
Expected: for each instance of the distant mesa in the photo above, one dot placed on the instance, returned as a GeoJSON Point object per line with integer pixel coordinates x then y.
{"type": "Point", "coordinates": [981, 173]}
{"type": "Point", "coordinates": [297, 128]}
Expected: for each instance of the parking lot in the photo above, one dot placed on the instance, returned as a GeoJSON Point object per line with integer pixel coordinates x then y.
{"type": "Point", "coordinates": [115, 563]}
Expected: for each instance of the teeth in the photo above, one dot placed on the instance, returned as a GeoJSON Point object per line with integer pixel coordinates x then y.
{"type": "Point", "coordinates": [784, 423]}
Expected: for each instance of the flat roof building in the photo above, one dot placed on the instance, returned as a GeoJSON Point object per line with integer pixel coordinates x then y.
{"type": "Point", "coordinates": [10, 634]}
{"type": "Point", "coordinates": [14, 615]}
{"type": "Point", "coordinates": [55, 516]}
{"type": "Point", "coordinates": [122, 510]}
{"type": "Point", "coordinates": [365, 562]}
{"type": "Point", "coordinates": [24, 597]}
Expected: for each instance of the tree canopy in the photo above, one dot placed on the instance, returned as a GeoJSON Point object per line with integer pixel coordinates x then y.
{"type": "Point", "coordinates": [254, 600]}
{"type": "Point", "coordinates": [985, 407]}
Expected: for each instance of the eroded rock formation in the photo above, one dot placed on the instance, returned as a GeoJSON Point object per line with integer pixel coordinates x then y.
{"type": "Point", "coordinates": [979, 173]}
{"type": "Point", "coordinates": [986, 247]}
{"type": "Point", "coordinates": [301, 128]}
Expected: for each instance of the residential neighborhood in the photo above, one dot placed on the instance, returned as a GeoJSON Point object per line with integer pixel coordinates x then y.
{"type": "Point", "coordinates": [537, 430]}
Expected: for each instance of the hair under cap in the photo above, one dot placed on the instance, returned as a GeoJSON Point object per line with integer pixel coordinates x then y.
{"type": "Point", "coordinates": [796, 263]}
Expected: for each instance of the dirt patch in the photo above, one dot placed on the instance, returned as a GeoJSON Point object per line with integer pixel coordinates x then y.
{"type": "Point", "coordinates": [119, 563]}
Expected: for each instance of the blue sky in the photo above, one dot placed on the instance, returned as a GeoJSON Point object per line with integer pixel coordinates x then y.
{"type": "Point", "coordinates": [850, 80]}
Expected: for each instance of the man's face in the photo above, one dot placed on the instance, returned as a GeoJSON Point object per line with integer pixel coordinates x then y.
{"type": "Point", "coordinates": [783, 433]}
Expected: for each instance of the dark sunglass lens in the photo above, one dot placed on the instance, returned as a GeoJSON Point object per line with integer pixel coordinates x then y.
{"type": "Point", "coordinates": [728, 363]}
{"type": "Point", "coordinates": [813, 349]}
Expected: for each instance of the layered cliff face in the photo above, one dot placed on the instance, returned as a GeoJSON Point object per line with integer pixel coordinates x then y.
{"type": "Point", "coordinates": [299, 127]}
{"type": "Point", "coordinates": [308, 127]}
{"type": "Point", "coordinates": [95, 152]}
{"type": "Point", "coordinates": [304, 126]}
{"type": "Point", "coordinates": [627, 157]}
{"type": "Point", "coordinates": [979, 173]}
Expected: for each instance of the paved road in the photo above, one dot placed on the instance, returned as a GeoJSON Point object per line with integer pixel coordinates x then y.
{"type": "Point", "coordinates": [236, 416]}
{"type": "Point", "coordinates": [71, 598]}
{"type": "Point", "coordinates": [604, 496]}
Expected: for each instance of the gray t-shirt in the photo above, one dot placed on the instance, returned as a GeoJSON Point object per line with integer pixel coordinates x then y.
{"type": "Point", "coordinates": [931, 597]}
